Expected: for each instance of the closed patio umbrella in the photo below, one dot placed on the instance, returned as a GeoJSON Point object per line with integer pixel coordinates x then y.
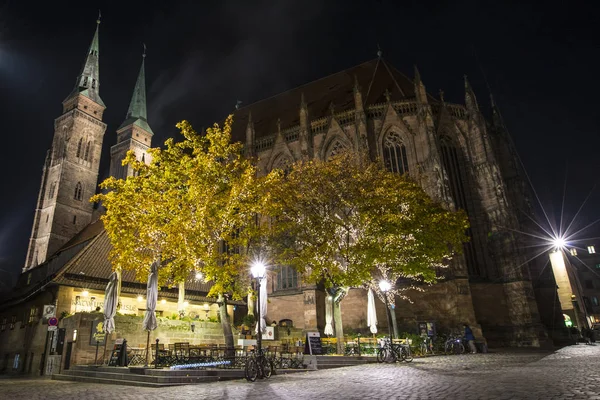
{"type": "Point", "coordinates": [371, 313]}
{"type": "Point", "coordinates": [150, 323]}
{"type": "Point", "coordinates": [110, 307]}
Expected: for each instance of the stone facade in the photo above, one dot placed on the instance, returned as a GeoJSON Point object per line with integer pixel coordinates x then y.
{"type": "Point", "coordinates": [460, 160]}
{"type": "Point", "coordinates": [70, 173]}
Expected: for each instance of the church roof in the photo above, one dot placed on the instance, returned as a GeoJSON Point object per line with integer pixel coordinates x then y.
{"type": "Point", "coordinates": [375, 78]}
{"type": "Point", "coordinates": [84, 262]}
{"type": "Point", "coordinates": [91, 269]}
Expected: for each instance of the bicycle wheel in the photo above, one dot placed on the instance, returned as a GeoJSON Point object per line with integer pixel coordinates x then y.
{"type": "Point", "coordinates": [449, 348]}
{"type": "Point", "coordinates": [267, 368]}
{"type": "Point", "coordinates": [406, 354]}
{"type": "Point", "coordinates": [381, 354]}
{"type": "Point", "coordinates": [460, 348]}
{"type": "Point", "coordinates": [251, 370]}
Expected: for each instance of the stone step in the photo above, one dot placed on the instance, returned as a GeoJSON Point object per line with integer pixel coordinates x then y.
{"type": "Point", "coordinates": [126, 376]}
{"type": "Point", "coordinates": [89, 379]}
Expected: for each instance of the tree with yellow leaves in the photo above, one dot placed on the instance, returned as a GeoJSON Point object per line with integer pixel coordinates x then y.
{"type": "Point", "coordinates": [348, 222]}
{"type": "Point", "coordinates": [194, 207]}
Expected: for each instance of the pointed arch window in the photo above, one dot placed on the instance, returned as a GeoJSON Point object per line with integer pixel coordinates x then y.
{"type": "Point", "coordinates": [52, 190]}
{"type": "Point", "coordinates": [78, 191]}
{"type": "Point", "coordinates": [80, 148]}
{"type": "Point", "coordinates": [394, 153]}
{"type": "Point", "coordinates": [87, 151]}
{"type": "Point", "coordinates": [93, 84]}
{"type": "Point", "coordinates": [453, 164]}
{"type": "Point", "coordinates": [85, 81]}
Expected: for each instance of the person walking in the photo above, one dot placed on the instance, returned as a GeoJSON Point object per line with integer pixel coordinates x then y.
{"type": "Point", "coordinates": [470, 338]}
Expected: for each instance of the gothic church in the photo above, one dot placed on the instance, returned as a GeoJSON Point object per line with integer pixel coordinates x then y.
{"type": "Point", "coordinates": [459, 158]}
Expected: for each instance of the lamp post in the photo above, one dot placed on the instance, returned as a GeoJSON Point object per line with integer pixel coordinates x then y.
{"type": "Point", "coordinates": [258, 272]}
{"type": "Point", "coordinates": [385, 286]}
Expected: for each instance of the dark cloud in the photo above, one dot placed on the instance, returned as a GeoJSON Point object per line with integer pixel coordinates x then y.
{"type": "Point", "coordinates": [540, 60]}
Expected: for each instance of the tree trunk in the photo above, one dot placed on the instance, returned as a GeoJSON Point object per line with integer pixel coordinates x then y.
{"type": "Point", "coordinates": [119, 281]}
{"type": "Point", "coordinates": [339, 329]}
{"type": "Point", "coordinates": [181, 299]}
{"type": "Point", "coordinates": [226, 325]}
{"type": "Point", "coordinates": [394, 323]}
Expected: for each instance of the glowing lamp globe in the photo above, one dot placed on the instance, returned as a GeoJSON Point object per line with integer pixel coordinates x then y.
{"type": "Point", "coordinates": [384, 286]}
{"type": "Point", "coordinates": [559, 242]}
{"type": "Point", "coordinates": [258, 269]}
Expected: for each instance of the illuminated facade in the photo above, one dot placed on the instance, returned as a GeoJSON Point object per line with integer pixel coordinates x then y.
{"type": "Point", "coordinates": [460, 159]}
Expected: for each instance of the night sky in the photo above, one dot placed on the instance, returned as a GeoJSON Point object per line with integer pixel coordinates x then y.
{"type": "Point", "coordinates": [541, 62]}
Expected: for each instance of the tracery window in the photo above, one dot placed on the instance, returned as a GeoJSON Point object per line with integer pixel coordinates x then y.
{"type": "Point", "coordinates": [78, 191]}
{"type": "Point", "coordinates": [394, 153]}
{"type": "Point", "coordinates": [451, 159]}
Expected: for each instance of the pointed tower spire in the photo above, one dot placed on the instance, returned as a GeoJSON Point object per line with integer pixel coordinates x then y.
{"type": "Point", "coordinates": [88, 80]}
{"type": "Point", "coordinates": [470, 99]}
{"type": "Point", "coordinates": [134, 133]}
{"type": "Point", "coordinates": [136, 114]}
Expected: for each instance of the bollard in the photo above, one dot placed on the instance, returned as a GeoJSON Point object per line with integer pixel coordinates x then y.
{"type": "Point", "coordinates": [156, 356]}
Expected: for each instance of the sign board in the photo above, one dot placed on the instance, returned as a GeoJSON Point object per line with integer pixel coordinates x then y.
{"type": "Point", "coordinates": [49, 311]}
{"type": "Point", "coordinates": [313, 343]}
{"type": "Point", "coordinates": [269, 334]}
{"type": "Point", "coordinates": [118, 357]}
{"type": "Point", "coordinates": [52, 328]}
{"type": "Point", "coordinates": [53, 321]}
{"type": "Point", "coordinates": [98, 335]}
{"type": "Point", "coordinates": [427, 328]}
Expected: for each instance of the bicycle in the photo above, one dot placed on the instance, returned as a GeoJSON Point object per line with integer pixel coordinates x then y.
{"type": "Point", "coordinates": [257, 366]}
{"type": "Point", "coordinates": [426, 346]}
{"type": "Point", "coordinates": [391, 352]}
{"type": "Point", "coordinates": [454, 345]}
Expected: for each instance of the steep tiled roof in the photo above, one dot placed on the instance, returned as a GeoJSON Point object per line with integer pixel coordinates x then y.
{"type": "Point", "coordinates": [91, 268]}
{"type": "Point", "coordinates": [374, 77]}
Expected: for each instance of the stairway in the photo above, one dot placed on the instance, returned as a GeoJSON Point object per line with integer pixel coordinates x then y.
{"type": "Point", "coordinates": [144, 377]}
{"type": "Point", "coordinates": [150, 377]}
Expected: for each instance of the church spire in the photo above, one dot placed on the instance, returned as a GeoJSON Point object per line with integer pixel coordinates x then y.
{"type": "Point", "coordinates": [88, 80]}
{"type": "Point", "coordinates": [136, 113]}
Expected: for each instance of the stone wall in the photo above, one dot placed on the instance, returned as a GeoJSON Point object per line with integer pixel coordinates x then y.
{"type": "Point", "coordinates": [129, 327]}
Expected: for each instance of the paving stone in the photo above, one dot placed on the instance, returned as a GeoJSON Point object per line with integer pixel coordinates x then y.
{"type": "Point", "coordinates": [569, 373]}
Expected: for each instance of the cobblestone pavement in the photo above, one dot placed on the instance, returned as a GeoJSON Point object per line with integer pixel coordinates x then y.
{"type": "Point", "coordinates": [570, 373]}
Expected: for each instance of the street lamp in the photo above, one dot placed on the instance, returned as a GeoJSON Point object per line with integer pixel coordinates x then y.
{"type": "Point", "coordinates": [385, 286]}
{"type": "Point", "coordinates": [258, 272]}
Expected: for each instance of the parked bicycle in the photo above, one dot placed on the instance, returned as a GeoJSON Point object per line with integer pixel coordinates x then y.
{"type": "Point", "coordinates": [426, 346]}
{"type": "Point", "coordinates": [257, 366]}
{"type": "Point", "coordinates": [454, 345]}
{"type": "Point", "coordinates": [392, 352]}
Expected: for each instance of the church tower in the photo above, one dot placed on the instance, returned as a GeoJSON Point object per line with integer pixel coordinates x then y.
{"type": "Point", "coordinates": [134, 133]}
{"type": "Point", "coordinates": [70, 173]}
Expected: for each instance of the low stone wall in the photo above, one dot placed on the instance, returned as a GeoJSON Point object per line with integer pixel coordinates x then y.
{"type": "Point", "coordinates": [130, 328]}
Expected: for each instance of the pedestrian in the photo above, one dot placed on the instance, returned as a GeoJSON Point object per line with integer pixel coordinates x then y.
{"type": "Point", "coordinates": [470, 338]}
